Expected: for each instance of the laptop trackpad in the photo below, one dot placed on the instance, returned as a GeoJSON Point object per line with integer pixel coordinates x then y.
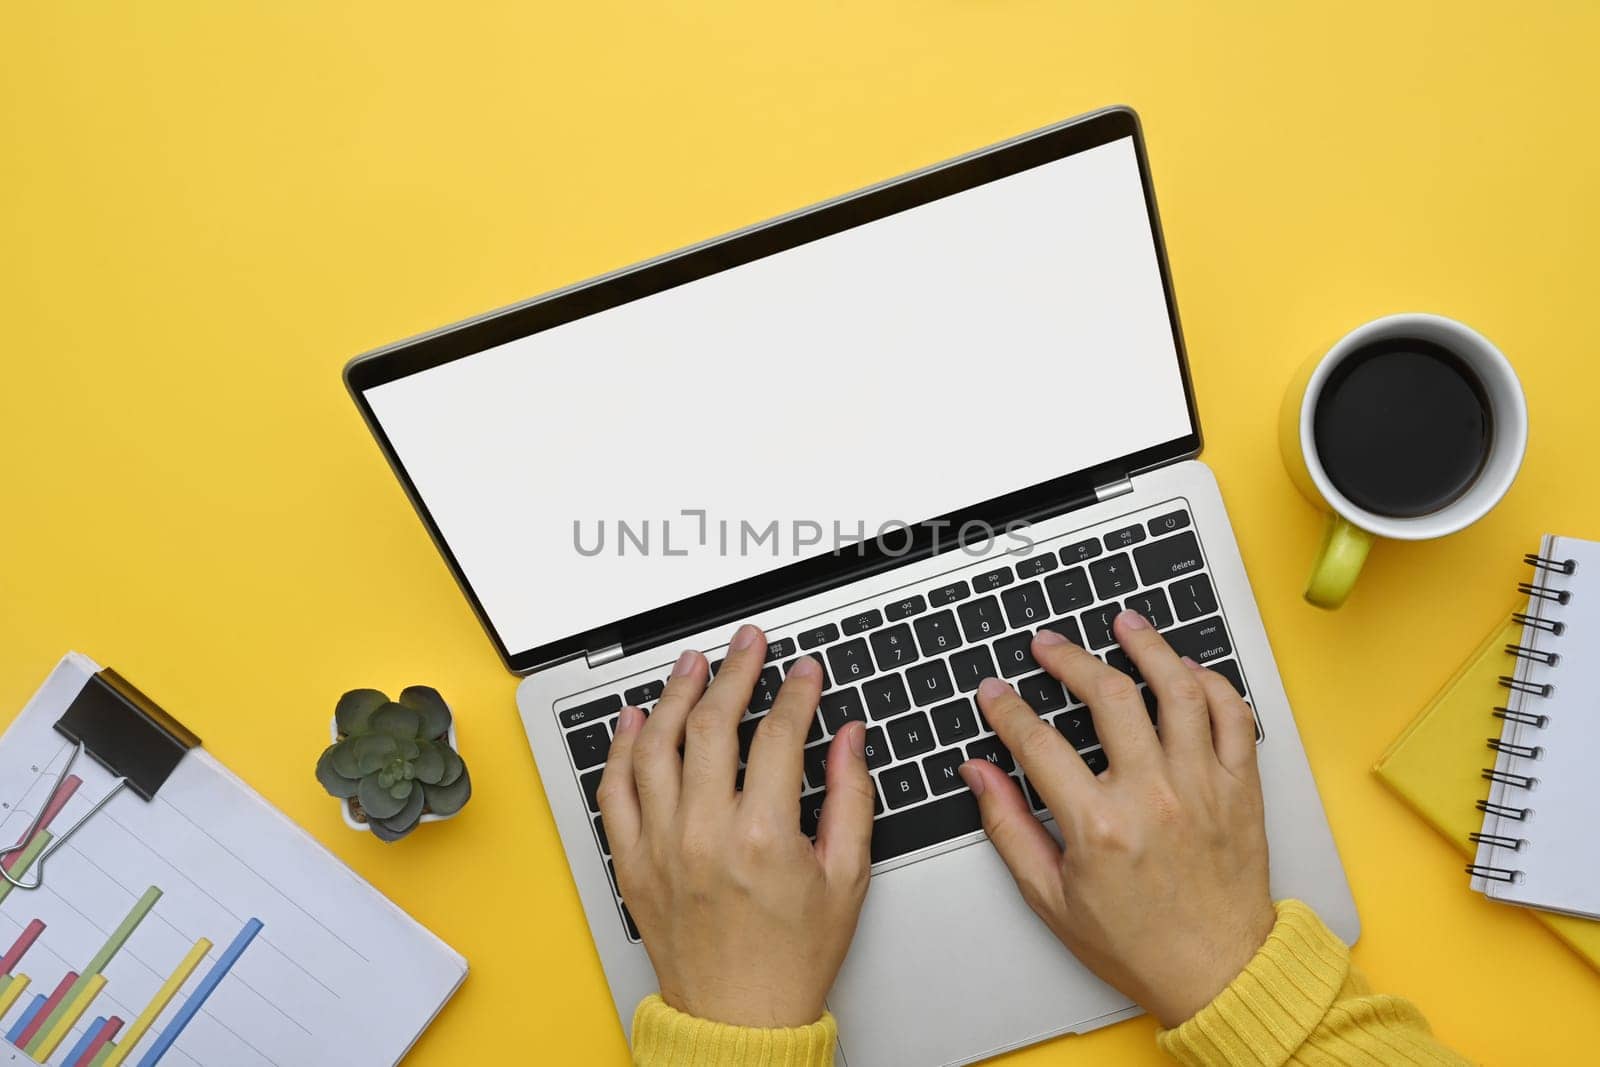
{"type": "Point", "coordinates": [949, 965]}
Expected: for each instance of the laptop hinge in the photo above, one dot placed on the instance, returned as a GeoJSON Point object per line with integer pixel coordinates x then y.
{"type": "Point", "coordinates": [602, 656]}
{"type": "Point", "coordinates": [1120, 487]}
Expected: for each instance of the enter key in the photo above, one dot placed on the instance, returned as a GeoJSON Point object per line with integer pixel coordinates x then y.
{"type": "Point", "coordinates": [1201, 641]}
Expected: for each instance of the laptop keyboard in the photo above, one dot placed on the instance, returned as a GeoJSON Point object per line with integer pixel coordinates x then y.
{"type": "Point", "coordinates": [908, 667]}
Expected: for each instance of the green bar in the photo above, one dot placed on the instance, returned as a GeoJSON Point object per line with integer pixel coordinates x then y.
{"type": "Point", "coordinates": [105, 1050]}
{"type": "Point", "coordinates": [5, 981]}
{"type": "Point", "coordinates": [25, 860]}
{"type": "Point", "coordinates": [119, 937]}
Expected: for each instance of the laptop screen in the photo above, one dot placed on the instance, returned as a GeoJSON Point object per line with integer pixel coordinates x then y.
{"type": "Point", "coordinates": [903, 368]}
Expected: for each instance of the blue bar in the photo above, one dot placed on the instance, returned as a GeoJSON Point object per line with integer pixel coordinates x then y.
{"type": "Point", "coordinates": [207, 986]}
{"type": "Point", "coordinates": [85, 1041]}
{"type": "Point", "coordinates": [27, 1017]}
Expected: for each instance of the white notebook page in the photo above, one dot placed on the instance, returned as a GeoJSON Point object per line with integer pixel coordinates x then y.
{"type": "Point", "coordinates": [1559, 863]}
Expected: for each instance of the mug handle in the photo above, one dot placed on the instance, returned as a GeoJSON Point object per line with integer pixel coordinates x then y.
{"type": "Point", "coordinates": [1338, 564]}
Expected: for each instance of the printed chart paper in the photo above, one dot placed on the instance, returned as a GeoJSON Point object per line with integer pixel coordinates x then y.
{"type": "Point", "coordinates": [201, 927]}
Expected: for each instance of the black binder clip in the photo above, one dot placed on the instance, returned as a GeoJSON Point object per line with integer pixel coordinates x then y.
{"type": "Point", "coordinates": [125, 732]}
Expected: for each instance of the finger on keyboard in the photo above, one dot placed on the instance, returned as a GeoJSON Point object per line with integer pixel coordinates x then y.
{"type": "Point", "coordinates": [773, 778]}
{"type": "Point", "coordinates": [1185, 721]}
{"type": "Point", "coordinates": [1049, 762]}
{"type": "Point", "coordinates": [711, 734]}
{"type": "Point", "coordinates": [844, 829]}
{"type": "Point", "coordinates": [617, 795]}
{"type": "Point", "coordinates": [1119, 714]}
{"type": "Point", "coordinates": [658, 769]}
{"type": "Point", "coordinates": [1029, 852]}
{"type": "Point", "coordinates": [1233, 724]}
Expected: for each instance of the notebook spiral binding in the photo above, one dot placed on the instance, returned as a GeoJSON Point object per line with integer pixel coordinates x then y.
{"type": "Point", "coordinates": [1536, 593]}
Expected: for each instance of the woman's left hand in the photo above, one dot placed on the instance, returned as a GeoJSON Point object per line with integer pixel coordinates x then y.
{"type": "Point", "coordinates": [745, 920]}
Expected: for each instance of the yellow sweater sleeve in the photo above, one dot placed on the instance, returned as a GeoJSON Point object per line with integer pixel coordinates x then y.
{"type": "Point", "coordinates": [1301, 1002]}
{"type": "Point", "coordinates": [666, 1037]}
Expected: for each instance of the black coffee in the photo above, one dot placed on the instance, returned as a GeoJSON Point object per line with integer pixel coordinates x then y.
{"type": "Point", "coordinates": [1403, 427]}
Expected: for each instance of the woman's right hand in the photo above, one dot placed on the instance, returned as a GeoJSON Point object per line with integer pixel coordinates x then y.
{"type": "Point", "coordinates": [1161, 889]}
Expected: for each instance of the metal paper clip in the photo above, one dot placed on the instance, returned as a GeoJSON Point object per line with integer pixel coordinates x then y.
{"type": "Point", "coordinates": [55, 842]}
{"type": "Point", "coordinates": [125, 732]}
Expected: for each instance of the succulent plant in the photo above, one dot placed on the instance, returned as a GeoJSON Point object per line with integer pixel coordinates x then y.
{"type": "Point", "coordinates": [393, 762]}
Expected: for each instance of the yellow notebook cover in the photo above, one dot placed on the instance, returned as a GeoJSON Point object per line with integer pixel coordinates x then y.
{"type": "Point", "coordinates": [1434, 766]}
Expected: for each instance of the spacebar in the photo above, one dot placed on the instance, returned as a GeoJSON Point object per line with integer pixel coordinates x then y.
{"type": "Point", "coordinates": [901, 832]}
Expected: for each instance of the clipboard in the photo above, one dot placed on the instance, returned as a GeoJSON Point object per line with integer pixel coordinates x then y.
{"type": "Point", "coordinates": [187, 914]}
{"type": "Point", "coordinates": [125, 732]}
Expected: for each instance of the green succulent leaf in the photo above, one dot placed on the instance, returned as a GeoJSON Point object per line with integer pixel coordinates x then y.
{"type": "Point", "coordinates": [403, 822]}
{"type": "Point", "coordinates": [337, 785]}
{"type": "Point", "coordinates": [355, 708]}
{"type": "Point", "coordinates": [453, 766]}
{"type": "Point", "coordinates": [342, 755]}
{"type": "Point", "coordinates": [449, 799]}
{"type": "Point", "coordinates": [385, 778]}
{"type": "Point", "coordinates": [386, 835]}
{"type": "Point", "coordinates": [397, 720]}
{"type": "Point", "coordinates": [378, 802]}
{"type": "Point", "coordinates": [372, 751]}
{"type": "Point", "coordinates": [409, 748]}
{"type": "Point", "coordinates": [435, 712]}
{"type": "Point", "coordinates": [401, 789]}
{"type": "Point", "coordinates": [429, 764]}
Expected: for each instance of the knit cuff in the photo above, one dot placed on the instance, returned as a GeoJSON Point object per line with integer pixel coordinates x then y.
{"type": "Point", "coordinates": [664, 1036]}
{"type": "Point", "coordinates": [1271, 1008]}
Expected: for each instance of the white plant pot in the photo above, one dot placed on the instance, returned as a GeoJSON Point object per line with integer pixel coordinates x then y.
{"type": "Point", "coordinates": [344, 805]}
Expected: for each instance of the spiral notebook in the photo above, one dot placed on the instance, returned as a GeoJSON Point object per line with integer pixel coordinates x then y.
{"type": "Point", "coordinates": [1434, 766]}
{"type": "Point", "coordinates": [1539, 845]}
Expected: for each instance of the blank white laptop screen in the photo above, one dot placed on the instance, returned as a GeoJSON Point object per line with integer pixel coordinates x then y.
{"type": "Point", "coordinates": [901, 370]}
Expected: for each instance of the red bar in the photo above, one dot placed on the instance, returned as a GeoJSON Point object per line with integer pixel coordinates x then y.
{"type": "Point", "coordinates": [103, 1038]}
{"type": "Point", "coordinates": [49, 1006]}
{"type": "Point", "coordinates": [25, 940]}
{"type": "Point", "coordinates": [58, 800]}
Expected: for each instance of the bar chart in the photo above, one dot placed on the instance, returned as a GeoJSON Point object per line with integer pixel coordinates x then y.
{"type": "Point", "coordinates": [47, 1019]}
{"type": "Point", "coordinates": [198, 928]}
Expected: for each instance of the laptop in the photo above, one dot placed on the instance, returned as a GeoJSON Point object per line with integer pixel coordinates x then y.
{"type": "Point", "coordinates": [901, 431]}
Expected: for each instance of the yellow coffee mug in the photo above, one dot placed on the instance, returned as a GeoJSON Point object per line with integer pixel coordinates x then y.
{"type": "Point", "coordinates": [1352, 529]}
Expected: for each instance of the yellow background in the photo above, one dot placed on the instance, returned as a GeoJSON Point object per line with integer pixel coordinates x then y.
{"type": "Point", "coordinates": [206, 208]}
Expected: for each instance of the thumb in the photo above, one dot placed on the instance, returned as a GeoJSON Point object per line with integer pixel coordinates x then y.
{"type": "Point", "coordinates": [844, 829]}
{"type": "Point", "coordinates": [1024, 844]}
